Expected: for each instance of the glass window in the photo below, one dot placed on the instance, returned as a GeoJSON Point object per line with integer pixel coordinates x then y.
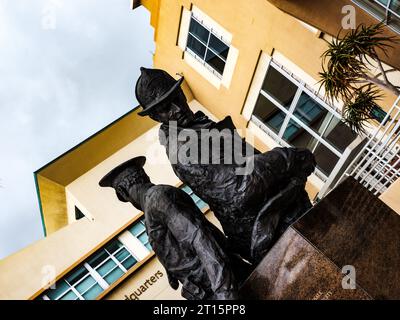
{"type": "Point", "coordinates": [78, 284]}
{"type": "Point", "coordinates": [93, 292]}
{"type": "Point", "coordinates": [95, 275]}
{"type": "Point", "coordinates": [138, 228]}
{"type": "Point", "coordinates": [338, 134]}
{"type": "Point", "coordinates": [310, 112]}
{"type": "Point", "coordinates": [214, 61]}
{"type": "Point", "coordinates": [61, 287]}
{"type": "Point", "coordinates": [218, 46]}
{"type": "Point", "coordinates": [69, 296]}
{"type": "Point", "coordinates": [297, 118]}
{"type": "Point", "coordinates": [207, 46]}
{"type": "Point", "coordinates": [297, 136]}
{"type": "Point", "coordinates": [139, 231]}
{"type": "Point", "coordinates": [77, 275]}
{"type": "Point", "coordinates": [395, 6]}
{"type": "Point", "coordinates": [383, 10]}
{"type": "Point", "coordinates": [113, 275]}
{"type": "Point", "coordinates": [199, 203]}
{"type": "Point", "coordinates": [196, 46]}
{"type": "Point", "coordinates": [325, 158]}
{"type": "Point", "coordinates": [279, 87]}
{"type": "Point", "coordinates": [269, 114]}
{"type": "Point", "coordinates": [199, 31]}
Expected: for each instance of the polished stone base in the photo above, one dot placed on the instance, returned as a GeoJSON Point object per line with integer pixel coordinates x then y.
{"type": "Point", "coordinates": [350, 226]}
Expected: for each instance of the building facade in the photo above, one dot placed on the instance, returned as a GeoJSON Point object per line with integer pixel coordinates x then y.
{"type": "Point", "coordinates": [257, 61]}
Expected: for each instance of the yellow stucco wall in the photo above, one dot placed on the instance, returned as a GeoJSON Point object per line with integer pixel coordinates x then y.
{"type": "Point", "coordinates": [52, 198]}
{"type": "Point", "coordinates": [255, 26]}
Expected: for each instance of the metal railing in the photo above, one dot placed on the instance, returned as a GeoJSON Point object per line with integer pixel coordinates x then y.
{"type": "Point", "coordinates": [377, 165]}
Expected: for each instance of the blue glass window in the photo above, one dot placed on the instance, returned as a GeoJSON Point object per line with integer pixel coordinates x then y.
{"type": "Point", "coordinates": [139, 231]}
{"type": "Point", "coordinates": [207, 46]}
{"type": "Point", "coordinates": [95, 275]}
{"type": "Point", "coordinates": [199, 203]}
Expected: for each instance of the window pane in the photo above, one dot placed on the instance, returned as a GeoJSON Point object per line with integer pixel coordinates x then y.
{"type": "Point", "coordinates": [201, 204]}
{"type": "Point", "coordinates": [144, 238]}
{"type": "Point", "coordinates": [106, 267]}
{"type": "Point", "coordinates": [113, 246]}
{"type": "Point", "coordinates": [148, 246]}
{"type": "Point", "coordinates": [114, 275]}
{"type": "Point", "coordinates": [69, 296]}
{"type": "Point", "coordinates": [195, 197]}
{"type": "Point", "coordinates": [187, 189]}
{"type": "Point", "coordinates": [214, 61]}
{"type": "Point", "coordinates": [371, 6]}
{"type": "Point", "coordinates": [395, 22]}
{"type": "Point", "coordinates": [121, 255]}
{"type": "Point", "coordinates": [61, 287]}
{"type": "Point", "coordinates": [326, 159]}
{"type": "Point", "coordinates": [279, 87]}
{"type": "Point", "coordinates": [269, 114]}
{"type": "Point", "coordinates": [98, 258]}
{"type": "Point", "coordinates": [85, 284]}
{"type": "Point", "coordinates": [218, 46]}
{"type": "Point", "coordinates": [93, 292]}
{"type": "Point", "coordinates": [395, 6]}
{"type": "Point", "coordinates": [311, 112]}
{"type": "Point", "coordinates": [137, 229]}
{"type": "Point", "coordinates": [194, 45]}
{"type": "Point", "coordinates": [129, 263]}
{"type": "Point", "coordinates": [297, 136]}
{"type": "Point", "coordinates": [199, 31]}
{"type": "Point", "coordinates": [75, 276]}
{"type": "Point", "coordinates": [339, 135]}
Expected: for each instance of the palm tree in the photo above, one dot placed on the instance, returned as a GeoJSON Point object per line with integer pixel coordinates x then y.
{"type": "Point", "coordinates": [346, 74]}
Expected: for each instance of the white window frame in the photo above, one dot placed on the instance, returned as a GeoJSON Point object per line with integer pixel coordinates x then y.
{"type": "Point", "coordinates": [74, 290]}
{"type": "Point", "coordinates": [198, 64]}
{"type": "Point", "coordinates": [289, 114]}
{"type": "Point", "coordinates": [207, 45]}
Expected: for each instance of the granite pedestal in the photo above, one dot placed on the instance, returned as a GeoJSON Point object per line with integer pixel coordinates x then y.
{"type": "Point", "coordinates": [349, 227]}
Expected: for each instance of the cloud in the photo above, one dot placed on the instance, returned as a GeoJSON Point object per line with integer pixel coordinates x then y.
{"type": "Point", "coordinates": [67, 69]}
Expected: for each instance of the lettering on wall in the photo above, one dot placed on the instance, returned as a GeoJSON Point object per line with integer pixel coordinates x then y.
{"type": "Point", "coordinates": [145, 286]}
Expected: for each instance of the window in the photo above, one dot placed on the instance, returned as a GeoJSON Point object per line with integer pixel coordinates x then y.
{"type": "Point", "coordinates": [139, 231]}
{"type": "Point", "coordinates": [78, 285]}
{"type": "Point", "coordinates": [112, 261]}
{"type": "Point", "coordinates": [94, 275]}
{"type": "Point", "coordinates": [388, 10]}
{"type": "Point", "coordinates": [206, 46]}
{"type": "Point", "coordinates": [294, 116]}
{"type": "Point", "coordinates": [199, 203]}
{"type": "Point", "coordinates": [78, 214]}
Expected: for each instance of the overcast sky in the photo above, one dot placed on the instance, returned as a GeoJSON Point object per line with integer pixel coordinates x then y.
{"type": "Point", "coordinates": [67, 69]}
